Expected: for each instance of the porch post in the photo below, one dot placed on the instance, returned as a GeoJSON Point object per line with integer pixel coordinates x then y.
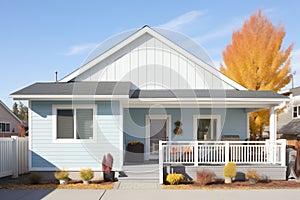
{"type": "Point", "coordinates": [161, 163]}
{"type": "Point", "coordinates": [272, 134]}
{"type": "Point", "coordinates": [196, 153]}
{"type": "Point", "coordinates": [273, 125]}
{"type": "Point", "coordinates": [227, 151]}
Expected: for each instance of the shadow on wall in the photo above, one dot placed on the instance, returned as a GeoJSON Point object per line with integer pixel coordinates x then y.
{"type": "Point", "coordinates": [38, 161]}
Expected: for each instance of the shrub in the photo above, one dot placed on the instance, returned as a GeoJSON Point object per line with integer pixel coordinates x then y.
{"type": "Point", "coordinates": [205, 176]}
{"type": "Point", "coordinates": [229, 170]}
{"type": "Point", "coordinates": [86, 174]}
{"type": "Point", "coordinates": [174, 179]}
{"type": "Point", "coordinates": [61, 175]}
{"type": "Point", "coordinates": [107, 162]}
{"type": "Point", "coordinates": [35, 178]}
{"type": "Point", "coordinates": [252, 174]}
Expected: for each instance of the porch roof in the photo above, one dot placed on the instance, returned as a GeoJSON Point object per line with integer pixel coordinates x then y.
{"type": "Point", "coordinates": [190, 93]}
{"type": "Point", "coordinates": [115, 90]}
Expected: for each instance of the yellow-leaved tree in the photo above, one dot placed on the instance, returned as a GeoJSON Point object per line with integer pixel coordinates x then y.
{"type": "Point", "coordinates": [255, 59]}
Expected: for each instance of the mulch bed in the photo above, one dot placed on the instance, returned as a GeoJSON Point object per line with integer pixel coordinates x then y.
{"type": "Point", "coordinates": [237, 185]}
{"type": "Point", "coordinates": [22, 182]}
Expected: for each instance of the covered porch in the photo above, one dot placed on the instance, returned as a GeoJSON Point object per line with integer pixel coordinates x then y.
{"type": "Point", "coordinates": [217, 153]}
{"type": "Point", "coordinates": [150, 118]}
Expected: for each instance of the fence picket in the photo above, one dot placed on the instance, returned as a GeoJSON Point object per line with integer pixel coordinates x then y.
{"type": "Point", "coordinates": [7, 157]}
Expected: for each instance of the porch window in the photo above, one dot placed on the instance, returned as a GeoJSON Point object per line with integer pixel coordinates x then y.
{"type": "Point", "coordinates": [4, 127]}
{"type": "Point", "coordinates": [207, 127]}
{"type": "Point", "coordinates": [75, 123]}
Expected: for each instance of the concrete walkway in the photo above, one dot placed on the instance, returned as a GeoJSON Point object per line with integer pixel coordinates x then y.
{"type": "Point", "coordinates": [148, 194]}
{"type": "Point", "coordinates": [137, 185]}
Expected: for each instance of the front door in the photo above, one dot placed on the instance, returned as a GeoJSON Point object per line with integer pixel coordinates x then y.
{"type": "Point", "coordinates": [157, 129]}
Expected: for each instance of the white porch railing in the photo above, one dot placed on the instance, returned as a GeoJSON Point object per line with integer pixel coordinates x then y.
{"type": "Point", "coordinates": [13, 156]}
{"type": "Point", "coordinates": [221, 152]}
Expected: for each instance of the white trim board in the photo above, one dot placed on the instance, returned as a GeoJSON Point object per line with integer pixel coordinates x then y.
{"type": "Point", "coordinates": [55, 107]}
{"type": "Point", "coordinates": [217, 117]}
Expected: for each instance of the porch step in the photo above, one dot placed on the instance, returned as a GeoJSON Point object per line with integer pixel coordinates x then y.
{"type": "Point", "coordinates": [139, 172]}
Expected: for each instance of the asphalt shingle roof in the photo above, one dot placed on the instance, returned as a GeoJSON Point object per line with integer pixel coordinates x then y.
{"type": "Point", "coordinates": [127, 88]}
{"type": "Point", "coordinates": [203, 94]}
{"type": "Point", "coordinates": [76, 88]}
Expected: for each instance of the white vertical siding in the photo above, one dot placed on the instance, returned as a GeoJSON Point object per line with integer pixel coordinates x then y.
{"type": "Point", "coordinates": [151, 64]}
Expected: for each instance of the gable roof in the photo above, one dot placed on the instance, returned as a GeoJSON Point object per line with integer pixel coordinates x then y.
{"type": "Point", "coordinates": [10, 112]}
{"type": "Point", "coordinates": [164, 37]}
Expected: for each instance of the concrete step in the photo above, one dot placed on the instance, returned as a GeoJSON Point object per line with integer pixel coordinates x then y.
{"type": "Point", "coordinates": [139, 172]}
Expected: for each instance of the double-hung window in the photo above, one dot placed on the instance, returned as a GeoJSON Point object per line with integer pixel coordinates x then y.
{"type": "Point", "coordinates": [4, 127]}
{"type": "Point", "coordinates": [75, 123]}
{"type": "Point", "coordinates": [296, 111]}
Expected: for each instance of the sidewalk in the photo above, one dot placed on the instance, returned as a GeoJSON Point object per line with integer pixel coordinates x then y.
{"type": "Point", "coordinates": [148, 194]}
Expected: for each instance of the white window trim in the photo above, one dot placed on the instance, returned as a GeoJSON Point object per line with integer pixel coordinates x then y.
{"type": "Point", "coordinates": [217, 117]}
{"type": "Point", "coordinates": [5, 122]}
{"type": "Point", "coordinates": [297, 107]}
{"type": "Point", "coordinates": [74, 140]}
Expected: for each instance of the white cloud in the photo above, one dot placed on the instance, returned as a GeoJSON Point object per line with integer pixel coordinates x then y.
{"type": "Point", "coordinates": [228, 29]}
{"type": "Point", "coordinates": [180, 21]}
{"type": "Point", "coordinates": [221, 32]}
{"type": "Point", "coordinates": [80, 49]}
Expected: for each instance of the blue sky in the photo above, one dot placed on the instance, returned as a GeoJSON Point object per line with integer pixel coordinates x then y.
{"type": "Point", "coordinates": [41, 37]}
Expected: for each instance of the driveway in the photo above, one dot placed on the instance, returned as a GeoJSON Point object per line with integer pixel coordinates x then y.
{"type": "Point", "coordinates": [149, 194]}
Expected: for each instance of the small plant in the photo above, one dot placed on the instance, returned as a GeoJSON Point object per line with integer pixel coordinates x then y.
{"type": "Point", "coordinates": [205, 176]}
{"type": "Point", "coordinates": [107, 162]}
{"type": "Point", "coordinates": [229, 170]}
{"type": "Point", "coordinates": [87, 174]}
{"type": "Point", "coordinates": [61, 175]}
{"type": "Point", "coordinates": [177, 129]}
{"type": "Point", "coordinates": [35, 178]}
{"type": "Point", "coordinates": [134, 142]}
{"type": "Point", "coordinates": [252, 174]}
{"type": "Point", "coordinates": [174, 179]}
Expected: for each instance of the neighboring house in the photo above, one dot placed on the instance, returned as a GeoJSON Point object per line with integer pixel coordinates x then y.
{"type": "Point", "coordinates": [131, 91]}
{"type": "Point", "coordinates": [9, 122]}
{"type": "Point", "coordinates": [289, 119]}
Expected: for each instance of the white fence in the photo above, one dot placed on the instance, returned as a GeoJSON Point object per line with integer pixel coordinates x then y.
{"type": "Point", "coordinates": [221, 152]}
{"type": "Point", "coordinates": [13, 156]}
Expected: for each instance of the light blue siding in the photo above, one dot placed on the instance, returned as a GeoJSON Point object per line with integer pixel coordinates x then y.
{"type": "Point", "coordinates": [233, 121]}
{"type": "Point", "coordinates": [48, 154]}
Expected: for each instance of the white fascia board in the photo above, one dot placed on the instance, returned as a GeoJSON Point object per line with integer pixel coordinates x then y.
{"type": "Point", "coordinates": [195, 105]}
{"type": "Point", "coordinates": [227, 100]}
{"type": "Point", "coordinates": [67, 97]}
{"type": "Point", "coordinates": [174, 46]}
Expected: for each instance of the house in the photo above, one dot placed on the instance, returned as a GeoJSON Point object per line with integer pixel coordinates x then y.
{"type": "Point", "coordinates": [131, 91]}
{"type": "Point", "coordinates": [289, 119]}
{"type": "Point", "coordinates": [9, 122]}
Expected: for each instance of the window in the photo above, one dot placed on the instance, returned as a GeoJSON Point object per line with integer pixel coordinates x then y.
{"type": "Point", "coordinates": [207, 127]}
{"type": "Point", "coordinates": [296, 111]}
{"type": "Point", "coordinates": [76, 123]}
{"type": "Point", "coordinates": [4, 127]}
